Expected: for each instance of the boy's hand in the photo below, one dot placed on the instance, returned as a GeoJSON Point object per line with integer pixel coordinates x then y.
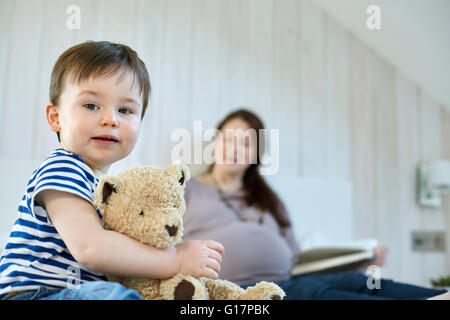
{"type": "Point", "coordinates": [199, 258]}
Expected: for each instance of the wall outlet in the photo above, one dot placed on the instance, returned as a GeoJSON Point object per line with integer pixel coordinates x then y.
{"type": "Point", "coordinates": [428, 241]}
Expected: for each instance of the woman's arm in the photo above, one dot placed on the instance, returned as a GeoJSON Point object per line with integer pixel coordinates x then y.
{"type": "Point", "coordinates": [110, 252]}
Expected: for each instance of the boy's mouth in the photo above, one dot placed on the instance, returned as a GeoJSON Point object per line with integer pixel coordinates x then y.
{"type": "Point", "coordinates": [106, 139]}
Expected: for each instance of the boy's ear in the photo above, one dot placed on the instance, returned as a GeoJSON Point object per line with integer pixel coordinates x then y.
{"type": "Point", "coordinates": [106, 186]}
{"type": "Point", "coordinates": [52, 115]}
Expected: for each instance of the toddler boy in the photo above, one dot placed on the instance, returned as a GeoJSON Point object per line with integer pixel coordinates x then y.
{"type": "Point", "coordinates": [58, 248]}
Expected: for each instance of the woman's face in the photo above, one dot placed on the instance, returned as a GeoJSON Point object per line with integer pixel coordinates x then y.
{"type": "Point", "coordinates": [236, 147]}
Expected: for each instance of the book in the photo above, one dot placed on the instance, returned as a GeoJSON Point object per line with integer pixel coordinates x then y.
{"type": "Point", "coordinates": [333, 257]}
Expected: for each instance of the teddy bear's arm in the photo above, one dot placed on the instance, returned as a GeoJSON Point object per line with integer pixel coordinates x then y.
{"type": "Point", "coordinates": [183, 287]}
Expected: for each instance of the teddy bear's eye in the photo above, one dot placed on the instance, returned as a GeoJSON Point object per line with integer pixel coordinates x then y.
{"type": "Point", "coordinates": [141, 213]}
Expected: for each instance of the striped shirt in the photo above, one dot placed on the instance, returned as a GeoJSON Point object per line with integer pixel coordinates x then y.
{"type": "Point", "coordinates": [35, 254]}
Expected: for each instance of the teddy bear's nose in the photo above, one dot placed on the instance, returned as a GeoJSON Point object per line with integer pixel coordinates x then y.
{"type": "Point", "coordinates": [172, 230]}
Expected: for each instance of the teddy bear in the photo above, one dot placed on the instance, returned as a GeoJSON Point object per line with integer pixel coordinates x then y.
{"type": "Point", "coordinates": [147, 204]}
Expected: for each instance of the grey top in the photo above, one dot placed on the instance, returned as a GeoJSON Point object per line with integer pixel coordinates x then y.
{"type": "Point", "coordinates": [253, 251]}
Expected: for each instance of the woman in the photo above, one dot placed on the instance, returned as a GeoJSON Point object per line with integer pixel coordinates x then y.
{"type": "Point", "coordinates": [232, 204]}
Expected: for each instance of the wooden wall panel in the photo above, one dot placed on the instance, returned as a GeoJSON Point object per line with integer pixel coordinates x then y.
{"type": "Point", "coordinates": [176, 73]}
{"type": "Point", "coordinates": [445, 153]}
{"type": "Point", "coordinates": [337, 109]}
{"type": "Point", "coordinates": [362, 137]}
{"type": "Point", "coordinates": [286, 84]}
{"type": "Point", "coordinates": [262, 35]}
{"type": "Point", "coordinates": [149, 46]}
{"type": "Point", "coordinates": [383, 104]}
{"type": "Point", "coordinates": [6, 15]}
{"type": "Point", "coordinates": [235, 78]}
{"type": "Point", "coordinates": [431, 149]}
{"type": "Point", "coordinates": [313, 144]}
{"type": "Point", "coordinates": [56, 38]}
{"type": "Point", "coordinates": [409, 212]}
{"type": "Point", "coordinates": [23, 74]}
{"type": "Point", "coordinates": [207, 67]}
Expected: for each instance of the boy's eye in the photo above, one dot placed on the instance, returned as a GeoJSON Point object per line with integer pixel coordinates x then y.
{"type": "Point", "coordinates": [125, 110]}
{"type": "Point", "coordinates": [91, 106]}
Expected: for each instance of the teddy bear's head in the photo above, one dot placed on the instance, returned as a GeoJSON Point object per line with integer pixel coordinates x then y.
{"type": "Point", "coordinates": [145, 203]}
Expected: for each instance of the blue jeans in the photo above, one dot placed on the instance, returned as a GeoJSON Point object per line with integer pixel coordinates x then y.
{"type": "Point", "coordinates": [93, 290]}
{"type": "Point", "coordinates": [350, 286]}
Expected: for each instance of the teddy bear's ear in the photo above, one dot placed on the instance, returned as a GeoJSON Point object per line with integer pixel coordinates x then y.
{"type": "Point", "coordinates": [180, 170]}
{"type": "Point", "coordinates": [106, 186]}
{"type": "Point", "coordinates": [185, 174]}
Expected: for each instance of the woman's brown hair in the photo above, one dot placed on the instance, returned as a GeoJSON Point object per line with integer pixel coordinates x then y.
{"type": "Point", "coordinates": [257, 192]}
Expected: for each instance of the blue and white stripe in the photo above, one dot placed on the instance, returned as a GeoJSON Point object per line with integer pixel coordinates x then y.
{"type": "Point", "coordinates": [35, 254]}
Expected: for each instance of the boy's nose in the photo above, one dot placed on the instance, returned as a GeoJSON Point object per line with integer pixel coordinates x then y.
{"type": "Point", "coordinates": [109, 119]}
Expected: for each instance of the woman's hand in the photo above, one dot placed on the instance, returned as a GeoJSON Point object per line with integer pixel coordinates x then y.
{"type": "Point", "coordinates": [380, 253]}
{"type": "Point", "coordinates": [199, 258]}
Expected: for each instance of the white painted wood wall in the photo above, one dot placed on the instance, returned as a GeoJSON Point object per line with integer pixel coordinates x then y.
{"type": "Point", "coordinates": [343, 112]}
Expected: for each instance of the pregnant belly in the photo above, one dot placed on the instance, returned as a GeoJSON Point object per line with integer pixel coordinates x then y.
{"type": "Point", "coordinates": [252, 252]}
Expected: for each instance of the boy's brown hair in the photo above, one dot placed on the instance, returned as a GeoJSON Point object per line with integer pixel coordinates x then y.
{"type": "Point", "coordinates": [93, 59]}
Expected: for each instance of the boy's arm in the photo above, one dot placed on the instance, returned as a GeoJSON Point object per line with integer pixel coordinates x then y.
{"type": "Point", "coordinates": [111, 252]}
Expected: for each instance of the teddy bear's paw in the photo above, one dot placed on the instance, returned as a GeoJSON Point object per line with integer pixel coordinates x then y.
{"type": "Point", "coordinates": [263, 291]}
{"type": "Point", "coordinates": [190, 289]}
{"type": "Point", "coordinates": [183, 288]}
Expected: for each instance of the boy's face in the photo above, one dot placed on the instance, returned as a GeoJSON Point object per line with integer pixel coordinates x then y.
{"type": "Point", "coordinates": [98, 119]}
